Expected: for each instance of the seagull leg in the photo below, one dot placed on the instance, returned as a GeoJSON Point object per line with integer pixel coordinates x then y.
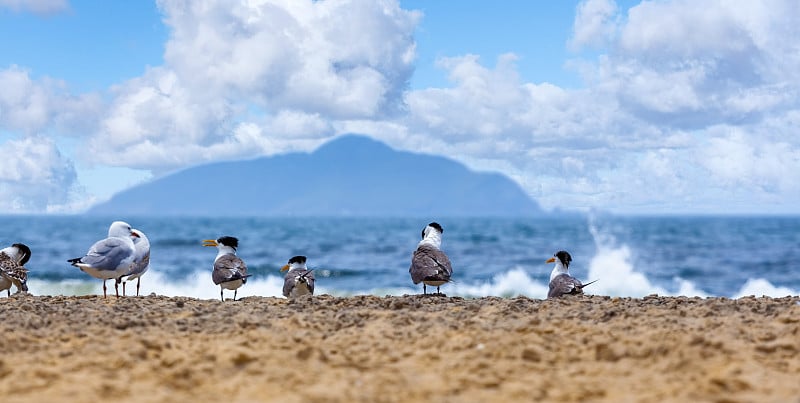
{"type": "Point", "coordinates": [138, 280]}
{"type": "Point", "coordinates": [220, 295]}
{"type": "Point", "coordinates": [234, 294]}
{"type": "Point", "coordinates": [104, 288]}
{"type": "Point", "coordinates": [123, 288]}
{"type": "Point", "coordinates": [116, 287]}
{"type": "Point", "coordinates": [424, 289]}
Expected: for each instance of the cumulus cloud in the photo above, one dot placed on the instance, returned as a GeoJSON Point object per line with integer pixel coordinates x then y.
{"type": "Point", "coordinates": [32, 106]}
{"type": "Point", "coordinates": [594, 24]}
{"type": "Point", "coordinates": [239, 76]}
{"type": "Point", "coordinates": [35, 176]}
{"type": "Point", "coordinates": [42, 7]}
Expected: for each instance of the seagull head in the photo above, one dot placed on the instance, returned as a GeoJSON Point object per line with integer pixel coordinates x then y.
{"type": "Point", "coordinates": [296, 262]}
{"type": "Point", "coordinates": [228, 243]}
{"type": "Point", "coordinates": [562, 259]}
{"type": "Point", "coordinates": [120, 229]}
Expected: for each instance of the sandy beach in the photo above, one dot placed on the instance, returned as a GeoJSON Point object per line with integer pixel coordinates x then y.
{"type": "Point", "coordinates": [409, 348]}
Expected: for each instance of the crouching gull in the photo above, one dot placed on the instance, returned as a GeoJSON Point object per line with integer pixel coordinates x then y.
{"type": "Point", "coordinates": [141, 262]}
{"type": "Point", "coordinates": [230, 272]}
{"type": "Point", "coordinates": [299, 280]}
{"type": "Point", "coordinates": [12, 270]}
{"type": "Point", "coordinates": [111, 257]}
{"type": "Point", "coordinates": [429, 264]}
{"type": "Point", "coordinates": [561, 283]}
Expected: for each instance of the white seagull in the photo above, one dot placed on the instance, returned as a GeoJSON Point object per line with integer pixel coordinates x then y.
{"type": "Point", "coordinates": [429, 264]}
{"type": "Point", "coordinates": [561, 283]}
{"type": "Point", "coordinates": [109, 258]}
{"type": "Point", "coordinates": [12, 270]}
{"type": "Point", "coordinates": [230, 272]}
{"type": "Point", "coordinates": [299, 280]}
{"type": "Point", "coordinates": [141, 261]}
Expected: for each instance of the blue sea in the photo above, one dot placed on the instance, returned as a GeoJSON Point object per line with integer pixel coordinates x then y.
{"type": "Point", "coordinates": [629, 256]}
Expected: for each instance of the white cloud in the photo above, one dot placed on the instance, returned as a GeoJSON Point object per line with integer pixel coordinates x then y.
{"type": "Point", "coordinates": [32, 106]}
{"type": "Point", "coordinates": [241, 76]}
{"type": "Point", "coordinates": [594, 24]}
{"type": "Point", "coordinates": [34, 176]}
{"type": "Point", "coordinates": [42, 7]}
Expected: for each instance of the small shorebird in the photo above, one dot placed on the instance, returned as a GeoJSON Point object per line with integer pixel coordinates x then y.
{"type": "Point", "coordinates": [429, 264]}
{"type": "Point", "coordinates": [299, 280]}
{"type": "Point", "coordinates": [230, 272]}
{"type": "Point", "coordinates": [12, 270]}
{"type": "Point", "coordinates": [110, 258]}
{"type": "Point", "coordinates": [141, 261]}
{"type": "Point", "coordinates": [561, 283]}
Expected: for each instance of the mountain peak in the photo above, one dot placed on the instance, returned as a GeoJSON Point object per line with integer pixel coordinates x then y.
{"type": "Point", "coordinates": [350, 143]}
{"type": "Point", "coordinates": [351, 175]}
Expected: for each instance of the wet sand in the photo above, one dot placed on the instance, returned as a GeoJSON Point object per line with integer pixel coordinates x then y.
{"type": "Point", "coordinates": [410, 348]}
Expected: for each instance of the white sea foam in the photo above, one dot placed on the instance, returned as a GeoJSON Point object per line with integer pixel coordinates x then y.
{"type": "Point", "coordinates": [760, 287]}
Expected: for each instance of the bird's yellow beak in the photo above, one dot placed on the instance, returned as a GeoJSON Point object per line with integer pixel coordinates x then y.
{"type": "Point", "coordinates": [210, 242]}
{"type": "Point", "coordinates": [285, 267]}
{"type": "Point", "coordinates": [551, 260]}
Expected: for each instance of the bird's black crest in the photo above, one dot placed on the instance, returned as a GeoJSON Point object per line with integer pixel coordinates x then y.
{"type": "Point", "coordinates": [297, 259]}
{"type": "Point", "coordinates": [26, 252]}
{"type": "Point", "coordinates": [564, 257]}
{"type": "Point", "coordinates": [434, 225]}
{"type": "Point", "coordinates": [229, 241]}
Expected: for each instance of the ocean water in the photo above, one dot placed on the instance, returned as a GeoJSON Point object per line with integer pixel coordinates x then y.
{"type": "Point", "coordinates": [629, 256]}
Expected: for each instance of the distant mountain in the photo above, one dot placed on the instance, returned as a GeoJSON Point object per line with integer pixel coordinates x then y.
{"type": "Point", "coordinates": [348, 176]}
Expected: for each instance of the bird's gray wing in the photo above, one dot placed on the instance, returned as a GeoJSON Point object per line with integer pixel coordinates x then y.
{"type": "Point", "coordinates": [108, 253]}
{"type": "Point", "coordinates": [564, 284]}
{"type": "Point", "coordinates": [288, 284]}
{"type": "Point", "coordinates": [429, 263]}
{"type": "Point", "coordinates": [291, 275]}
{"type": "Point", "coordinates": [140, 264]}
{"type": "Point", "coordinates": [310, 280]}
{"type": "Point", "coordinates": [229, 268]}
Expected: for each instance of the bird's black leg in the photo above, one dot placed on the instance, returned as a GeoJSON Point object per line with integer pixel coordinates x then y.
{"type": "Point", "coordinates": [116, 286]}
{"type": "Point", "coordinates": [424, 289]}
{"type": "Point", "coordinates": [104, 288]}
{"type": "Point", "coordinates": [234, 294]}
{"type": "Point", "coordinates": [220, 295]}
{"type": "Point", "coordinates": [437, 290]}
{"type": "Point", "coordinates": [138, 280]}
{"type": "Point", "coordinates": [123, 288]}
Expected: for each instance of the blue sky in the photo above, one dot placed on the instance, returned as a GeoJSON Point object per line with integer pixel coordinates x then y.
{"type": "Point", "coordinates": [673, 106]}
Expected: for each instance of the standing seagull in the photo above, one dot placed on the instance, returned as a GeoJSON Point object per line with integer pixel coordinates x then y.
{"type": "Point", "coordinates": [299, 280]}
{"type": "Point", "coordinates": [111, 257]}
{"type": "Point", "coordinates": [230, 272]}
{"type": "Point", "coordinates": [141, 262]}
{"type": "Point", "coordinates": [429, 264]}
{"type": "Point", "coordinates": [12, 260]}
{"type": "Point", "coordinates": [561, 283]}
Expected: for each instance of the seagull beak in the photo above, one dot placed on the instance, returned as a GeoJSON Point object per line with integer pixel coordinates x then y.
{"type": "Point", "coordinates": [285, 267]}
{"type": "Point", "coordinates": [133, 234]}
{"type": "Point", "coordinates": [551, 260]}
{"type": "Point", "coordinates": [209, 242]}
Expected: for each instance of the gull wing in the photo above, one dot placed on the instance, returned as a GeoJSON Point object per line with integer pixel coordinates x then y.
{"type": "Point", "coordinates": [429, 263]}
{"type": "Point", "coordinates": [229, 268]}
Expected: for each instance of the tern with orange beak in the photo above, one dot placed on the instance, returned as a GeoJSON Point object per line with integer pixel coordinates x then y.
{"type": "Point", "coordinates": [561, 282]}
{"type": "Point", "coordinates": [229, 272]}
{"type": "Point", "coordinates": [299, 280]}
